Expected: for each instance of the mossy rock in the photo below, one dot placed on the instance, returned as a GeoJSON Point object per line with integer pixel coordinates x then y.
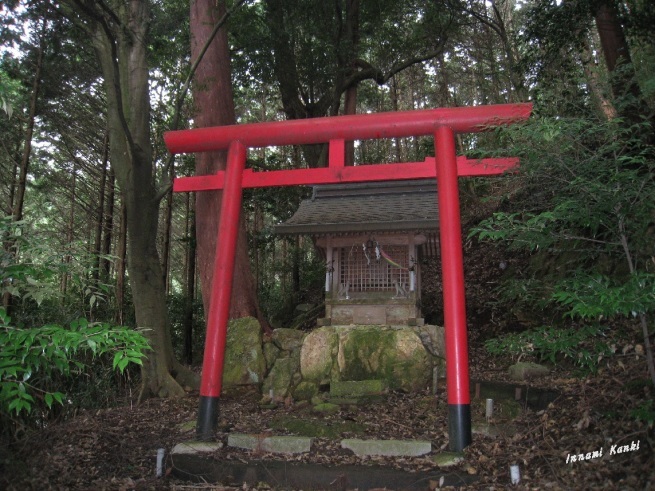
{"type": "Point", "coordinates": [244, 358]}
{"type": "Point", "coordinates": [394, 355]}
{"type": "Point", "coordinates": [280, 378]}
{"type": "Point", "coordinates": [526, 370]}
{"type": "Point", "coordinates": [317, 355]}
{"type": "Point", "coordinates": [305, 391]}
{"type": "Point", "coordinates": [448, 459]}
{"type": "Point", "coordinates": [326, 408]}
{"type": "Point", "coordinates": [357, 388]}
{"type": "Point", "coordinates": [288, 339]}
{"type": "Point", "coordinates": [271, 353]}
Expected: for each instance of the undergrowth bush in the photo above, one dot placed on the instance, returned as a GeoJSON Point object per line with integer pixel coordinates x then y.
{"type": "Point", "coordinates": [583, 346]}
{"type": "Point", "coordinates": [33, 358]}
{"type": "Point", "coordinates": [40, 362]}
{"type": "Point", "coordinates": [584, 212]}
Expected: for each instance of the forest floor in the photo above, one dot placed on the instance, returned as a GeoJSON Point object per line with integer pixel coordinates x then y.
{"type": "Point", "coordinates": [116, 448]}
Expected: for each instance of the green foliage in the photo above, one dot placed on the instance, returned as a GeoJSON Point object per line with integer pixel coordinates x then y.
{"type": "Point", "coordinates": [645, 412]}
{"type": "Point", "coordinates": [31, 269]}
{"type": "Point", "coordinates": [31, 357]}
{"type": "Point", "coordinates": [584, 213]}
{"type": "Point", "coordinates": [36, 363]}
{"type": "Point", "coordinates": [598, 296]}
{"type": "Point", "coordinates": [581, 345]}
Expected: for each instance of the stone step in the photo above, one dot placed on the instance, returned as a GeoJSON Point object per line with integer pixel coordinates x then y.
{"type": "Point", "coordinates": [270, 444]}
{"type": "Point", "coordinates": [388, 448]}
{"type": "Point", "coordinates": [356, 388]}
{"type": "Point", "coordinates": [195, 447]}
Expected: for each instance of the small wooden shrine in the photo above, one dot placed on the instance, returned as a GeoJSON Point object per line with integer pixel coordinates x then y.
{"type": "Point", "coordinates": [372, 235]}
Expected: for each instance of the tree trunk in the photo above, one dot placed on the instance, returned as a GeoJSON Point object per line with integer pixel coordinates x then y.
{"type": "Point", "coordinates": [619, 63]}
{"type": "Point", "coordinates": [214, 107]}
{"type": "Point", "coordinates": [69, 233]}
{"type": "Point", "coordinates": [108, 226]}
{"type": "Point", "coordinates": [120, 39]}
{"type": "Point", "coordinates": [27, 149]}
{"type": "Point", "coordinates": [168, 225]}
{"type": "Point", "coordinates": [120, 267]}
{"type": "Point", "coordinates": [190, 292]}
{"type": "Point", "coordinates": [97, 242]}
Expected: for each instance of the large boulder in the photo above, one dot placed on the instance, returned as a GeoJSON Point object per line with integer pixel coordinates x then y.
{"type": "Point", "coordinates": [244, 358]}
{"type": "Point", "coordinates": [396, 355]}
{"type": "Point", "coordinates": [288, 339]}
{"type": "Point", "coordinates": [282, 377]}
{"type": "Point", "coordinates": [433, 338]}
{"type": "Point", "coordinates": [317, 355]}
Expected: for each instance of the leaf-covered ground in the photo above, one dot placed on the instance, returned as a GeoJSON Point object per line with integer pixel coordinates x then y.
{"type": "Point", "coordinates": [116, 448]}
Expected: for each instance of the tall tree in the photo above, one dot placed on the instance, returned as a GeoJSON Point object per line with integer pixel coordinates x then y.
{"type": "Point", "coordinates": [214, 107]}
{"type": "Point", "coordinates": [618, 59]}
{"type": "Point", "coordinates": [119, 33]}
{"type": "Point", "coordinates": [323, 50]}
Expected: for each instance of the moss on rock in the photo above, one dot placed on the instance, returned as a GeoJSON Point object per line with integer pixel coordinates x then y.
{"type": "Point", "coordinates": [244, 358]}
{"type": "Point", "coordinates": [317, 355]}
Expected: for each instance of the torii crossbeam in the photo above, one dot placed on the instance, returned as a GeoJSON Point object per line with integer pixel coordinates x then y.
{"type": "Point", "coordinates": [446, 167]}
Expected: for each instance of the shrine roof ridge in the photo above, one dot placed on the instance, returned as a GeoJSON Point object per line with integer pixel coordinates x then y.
{"type": "Point", "coordinates": [382, 206]}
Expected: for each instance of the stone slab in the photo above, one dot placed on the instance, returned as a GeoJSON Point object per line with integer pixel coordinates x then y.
{"type": "Point", "coordinates": [356, 388]}
{"type": "Point", "coordinates": [448, 459]}
{"type": "Point", "coordinates": [388, 448]}
{"type": "Point", "coordinates": [195, 447]}
{"type": "Point", "coordinates": [270, 444]}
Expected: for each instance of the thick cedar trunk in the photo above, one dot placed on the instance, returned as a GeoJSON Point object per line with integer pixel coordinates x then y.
{"type": "Point", "coordinates": [214, 106]}
{"type": "Point", "coordinates": [619, 63]}
{"type": "Point", "coordinates": [394, 106]}
{"type": "Point", "coordinates": [350, 107]}
{"type": "Point", "coordinates": [352, 40]}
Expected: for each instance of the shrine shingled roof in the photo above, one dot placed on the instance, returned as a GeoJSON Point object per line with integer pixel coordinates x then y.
{"type": "Point", "coordinates": [366, 207]}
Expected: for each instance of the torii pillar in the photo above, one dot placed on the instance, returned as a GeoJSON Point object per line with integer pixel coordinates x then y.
{"type": "Point", "coordinates": [447, 167]}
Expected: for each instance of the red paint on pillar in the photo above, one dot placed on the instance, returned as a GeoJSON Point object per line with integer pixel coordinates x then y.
{"type": "Point", "coordinates": [452, 268]}
{"type": "Point", "coordinates": [219, 310]}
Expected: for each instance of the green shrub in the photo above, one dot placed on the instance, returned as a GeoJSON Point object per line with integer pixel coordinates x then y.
{"type": "Point", "coordinates": [581, 345]}
{"type": "Point", "coordinates": [645, 413]}
{"type": "Point", "coordinates": [32, 358]}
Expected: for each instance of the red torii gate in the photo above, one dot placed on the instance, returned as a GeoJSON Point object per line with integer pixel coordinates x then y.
{"type": "Point", "coordinates": [445, 167]}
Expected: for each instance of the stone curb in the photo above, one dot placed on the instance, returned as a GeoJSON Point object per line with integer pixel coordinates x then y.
{"type": "Point", "coordinates": [272, 444]}
{"type": "Point", "coordinates": [388, 448]}
{"type": "Point", "coordinates": [301, 444]}
{"type": "Point", "coordinates": [195, 447]}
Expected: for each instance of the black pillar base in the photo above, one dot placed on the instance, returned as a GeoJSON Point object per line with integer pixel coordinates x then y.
{"type": "Point", "coordinates": [207, 418]}
{"type": "Point", "coordinates": [459, 426]}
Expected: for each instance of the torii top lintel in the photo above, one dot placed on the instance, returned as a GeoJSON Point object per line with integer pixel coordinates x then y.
{"type": "Point", "coordinates": [351, 127]}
